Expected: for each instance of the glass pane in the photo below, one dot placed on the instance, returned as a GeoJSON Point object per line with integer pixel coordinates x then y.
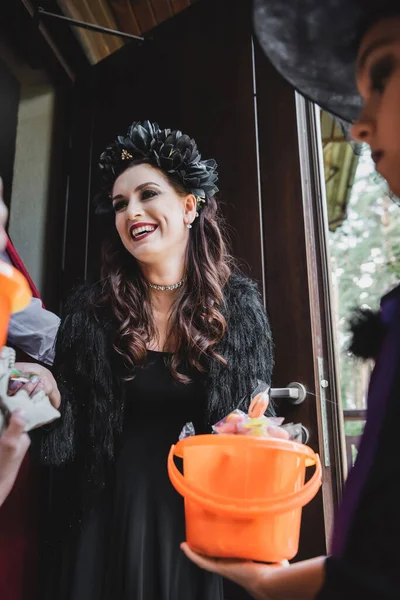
{"type": "Point", "coordinates": [353, 431]}
{"type": "Point", "coordinates": [364, 249]}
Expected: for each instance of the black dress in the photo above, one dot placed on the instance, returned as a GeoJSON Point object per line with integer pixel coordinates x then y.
{"type": "Point", "coordinates": [128, 548]}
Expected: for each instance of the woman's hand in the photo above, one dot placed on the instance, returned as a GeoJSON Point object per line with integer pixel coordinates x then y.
{"type": "Point", "coordinates": [249, 575]}
{"type": "Point", "coordinates": [300, 581]}
{"type": "Point", "coordinates": [40, 378]}
{"type": "Point", "coordinates": [13, 446]}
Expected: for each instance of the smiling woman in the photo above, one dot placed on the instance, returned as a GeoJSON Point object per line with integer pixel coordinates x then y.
{"type": "Point", "coordinates": [154, 209]}
{"type": "Point", "coordinates": [170, 334]}
{"type": "Point", "coordinates": [167, 220]}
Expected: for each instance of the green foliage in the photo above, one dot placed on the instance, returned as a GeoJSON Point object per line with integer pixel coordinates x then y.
{"type": "Point", "coordinates": [365, 256]}
{"type": "Point", "coordinates": [354, 427]}
{"type": "Point", "coordinates": [393, 266]}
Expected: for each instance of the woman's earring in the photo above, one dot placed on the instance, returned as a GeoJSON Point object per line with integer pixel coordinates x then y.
{"type": "Point", "coordinates": [189, 226]}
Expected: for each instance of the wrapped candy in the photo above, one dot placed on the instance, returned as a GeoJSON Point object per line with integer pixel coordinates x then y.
{"type": "Point", "coordinates": [255, 423]}
{"type": "Point", "coordinates": [187, 431]}
{"type": "Point", "coordinates": [232, 423]}
{"type": "Point", "coordinates": [238, 422]}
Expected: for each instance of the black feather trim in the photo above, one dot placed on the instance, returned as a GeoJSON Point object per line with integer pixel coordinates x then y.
{"type": "Point", "coordinates": [368, 332]}
{"type": "Point", "coordinates": [84, 442]}
{"type": "Point", "coordinates": [247, 347]}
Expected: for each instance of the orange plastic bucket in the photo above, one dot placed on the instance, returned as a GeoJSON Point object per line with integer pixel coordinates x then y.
{"type": "Point", "coordinates": [244, 495]}
{"type": "Point", "coordinates": [15, 295]}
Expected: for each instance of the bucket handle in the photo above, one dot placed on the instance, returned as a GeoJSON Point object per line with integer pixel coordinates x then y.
{"type": "Point", "coordinates": [222, 505]}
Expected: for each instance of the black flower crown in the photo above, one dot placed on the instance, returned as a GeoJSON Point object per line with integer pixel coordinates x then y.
{"type": "Point", "coordinates": [172, 151]}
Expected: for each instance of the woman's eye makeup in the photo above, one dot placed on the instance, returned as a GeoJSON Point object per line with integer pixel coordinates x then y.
{"type": "Point", "coordinates": [381, 72]}
{"type": "Point", "coordinates": [146, 194]}
{"type": "Point", "coordinates": [119, 205]}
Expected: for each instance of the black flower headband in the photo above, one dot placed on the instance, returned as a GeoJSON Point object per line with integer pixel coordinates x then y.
{"type": "Point", "coordinates": [172, 151]}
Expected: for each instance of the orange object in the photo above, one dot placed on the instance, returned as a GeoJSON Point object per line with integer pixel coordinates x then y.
{"type": "Point", "coordinates": [258, 405]}
{"type": "Point", "coordinates": [244, 495]}
{"type": "Point", "coordinates": [15, 295]}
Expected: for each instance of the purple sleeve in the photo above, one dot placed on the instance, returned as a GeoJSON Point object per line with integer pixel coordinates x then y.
{"type": "Point", "coordinates": [365, 561]}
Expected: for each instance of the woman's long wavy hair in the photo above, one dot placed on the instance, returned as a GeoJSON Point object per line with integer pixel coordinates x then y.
{"type": "Point", "coordinates": [197, 322]}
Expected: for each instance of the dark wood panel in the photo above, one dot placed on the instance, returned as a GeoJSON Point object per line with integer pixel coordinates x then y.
{"type": "Point", "coordinates": [178, 5]}
{"type": "Point", "coordinates": [144, 14]}
{"type": "Point", "coordinates": [286, 265]}
{"type": "Point", "coordinates": [162, 10]}
{"type": "Point", "coordinates": [9, 103]}
{"type": "Point", "coordinates": [79, 188]}
{"type": "Point", "coordinates": [56, 207]}
{"type": "Point", "coordinates": [125, 16]}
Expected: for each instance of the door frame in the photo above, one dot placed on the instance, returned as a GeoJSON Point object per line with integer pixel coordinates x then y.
{"type": "Point", "coordinates": [325, 348]}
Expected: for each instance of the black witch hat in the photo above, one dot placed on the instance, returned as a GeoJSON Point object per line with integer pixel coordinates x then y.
{"type": "Point", "coordinates": [314, 44]}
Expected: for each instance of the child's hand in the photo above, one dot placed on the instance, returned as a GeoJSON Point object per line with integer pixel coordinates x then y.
{"type": "Point", "coordinates": [245, 573]}
{"type": "Point", "coordinates": [39, 378]}
{"type": "Point", "coordinates": [13, 446]}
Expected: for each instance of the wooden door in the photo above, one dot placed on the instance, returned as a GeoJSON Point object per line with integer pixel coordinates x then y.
{"type": "Point", "coordinates": [298, 281]}
{"type": "Point", "coordinates": [9, 102]}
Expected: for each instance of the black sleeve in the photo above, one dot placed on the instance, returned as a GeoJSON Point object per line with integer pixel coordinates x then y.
{"type": "Point", "coordinates": [370, 566]}
{"type": "Point", "coordinates": [83, 369]}
{"type": "Point", "coordinates": [247, 347]}
{"type": "Point", "coordinates": [257, 344]}
{"type": "Point", "coordinates": [80, 447]}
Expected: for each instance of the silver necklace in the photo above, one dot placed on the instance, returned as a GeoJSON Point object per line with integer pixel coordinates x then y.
{"type": "Point", "coordinates": [167, 288]}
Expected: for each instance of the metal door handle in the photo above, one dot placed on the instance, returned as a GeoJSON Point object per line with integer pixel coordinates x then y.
{"type": "Point", "coordinates": [295, 392]}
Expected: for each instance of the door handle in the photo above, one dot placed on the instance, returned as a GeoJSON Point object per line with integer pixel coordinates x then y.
{"type": "Point", "coordinates": [295, 392]}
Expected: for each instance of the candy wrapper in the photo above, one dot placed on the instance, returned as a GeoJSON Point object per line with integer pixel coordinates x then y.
{"type": "Point", "coordinates": [255, 423]}
{"type": "Point", "coordinates": [187, 431]}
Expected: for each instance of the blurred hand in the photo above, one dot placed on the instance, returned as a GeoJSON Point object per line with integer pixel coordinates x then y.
{"type": "Point", "coordinates": [13, 446]}
{"type": "Point", "coordinates": [42, 380]}
{"type": "Point", "coordinates": [245, 573]}
{"type": "Point", "coordinates": [3, 219]}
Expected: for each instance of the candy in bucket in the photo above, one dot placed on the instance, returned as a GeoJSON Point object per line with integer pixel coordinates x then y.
{"type": "Point", "coordinates": [254, 422]}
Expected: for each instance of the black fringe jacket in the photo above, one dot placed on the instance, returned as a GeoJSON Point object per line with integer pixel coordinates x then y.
{"type": "Point", "coordinates": [90, 378]}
